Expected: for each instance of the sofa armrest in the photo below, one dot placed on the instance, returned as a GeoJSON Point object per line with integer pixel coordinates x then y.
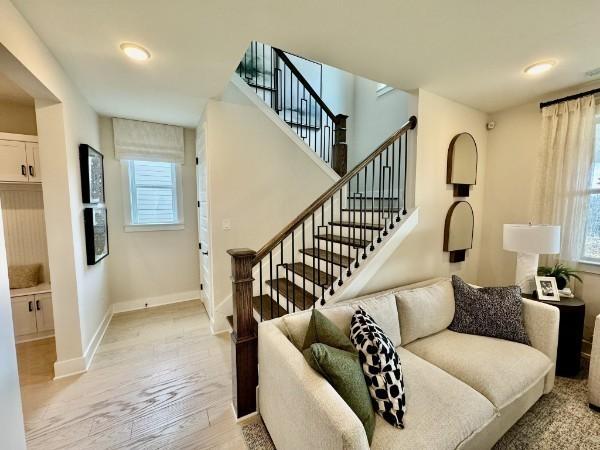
{"type": "Point", "coordinates": [594, 375]}
{"type": "Point", "coordinates": [541, 323]}
{"type": "Point", "coordinates": [299, 407]}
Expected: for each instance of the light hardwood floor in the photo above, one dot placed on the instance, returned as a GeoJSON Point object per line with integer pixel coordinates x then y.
{"type": "Point", "coordinates": [159, 380]}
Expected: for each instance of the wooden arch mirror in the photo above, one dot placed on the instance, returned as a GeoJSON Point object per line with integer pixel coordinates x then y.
{"type": "Point", "coordinates": [462, 164]}
{"type": "Point", "coordinates": [458, 230]}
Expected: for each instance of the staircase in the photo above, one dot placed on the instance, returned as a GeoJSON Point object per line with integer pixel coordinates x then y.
{"type": "Point", "coordinates": [337, 242]}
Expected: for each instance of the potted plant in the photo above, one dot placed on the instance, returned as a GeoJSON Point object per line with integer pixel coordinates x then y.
{"type": "Point", "coordinates": [562, 273]}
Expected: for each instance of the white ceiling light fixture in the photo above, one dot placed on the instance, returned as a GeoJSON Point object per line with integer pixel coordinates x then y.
{"type": "Point", "coordinates": [539, 67]}
{"type": "Point", "coordinates": [135, 51]}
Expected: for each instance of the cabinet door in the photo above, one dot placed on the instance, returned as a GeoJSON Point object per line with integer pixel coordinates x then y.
{"type": "Point", "coordinates": [23, 312]}
{"type": "Point", "coordinates": [13, 162]}
{"type": "Point", "coordinates": [43, 312]}
{"type": "Point", "coordinates": [34, 168]}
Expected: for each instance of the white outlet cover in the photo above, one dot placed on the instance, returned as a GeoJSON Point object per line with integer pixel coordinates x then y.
{"type": "Point", "coordinates": [227, 224]}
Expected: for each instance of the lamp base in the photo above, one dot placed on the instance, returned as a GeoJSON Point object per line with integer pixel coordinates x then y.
{"type": "Point", "coordinates": [527, 265]}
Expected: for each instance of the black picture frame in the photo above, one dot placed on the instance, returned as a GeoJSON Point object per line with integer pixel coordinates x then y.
{"type": "Point", "coordinates": [91, 165]}
{"type": "Point", "coordinates": [95, 222]}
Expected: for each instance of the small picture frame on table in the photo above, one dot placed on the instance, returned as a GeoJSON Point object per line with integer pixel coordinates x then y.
{"type": "Point", "coordinates": [547, 289]}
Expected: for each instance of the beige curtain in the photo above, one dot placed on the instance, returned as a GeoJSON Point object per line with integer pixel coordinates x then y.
{"type": "Point", "coordinates": [564, 171]}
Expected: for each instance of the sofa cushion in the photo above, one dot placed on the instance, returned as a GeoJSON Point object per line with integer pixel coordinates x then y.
{"type": "Point", "coordinates": [343, 371]}
{"type": "Point", "coordinates": [425, 310]}
{"type": "Point", "coordinates": [322, 330]}
{"type": "Point", "coordinates": [381, 366]}
{"type": "Point", "coordinates": [381, 307]}
{"type": "Point", "coordinates": [500, 370]}
{"type": "Point", "coordinates": [442, 412]}
{"type": "Point", "coordinates": [489, 311]}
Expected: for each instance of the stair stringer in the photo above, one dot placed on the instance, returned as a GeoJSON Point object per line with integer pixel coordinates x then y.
{"type": "Point", "coordinates": [375, 259]}
{"type": "Point", "coordinates": [274, 117]}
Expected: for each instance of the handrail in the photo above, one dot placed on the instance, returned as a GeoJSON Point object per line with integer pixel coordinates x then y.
{"type": "Point", "coordinates": [409, 125]}
{"type": "Point", "coordinates": [304, 82]}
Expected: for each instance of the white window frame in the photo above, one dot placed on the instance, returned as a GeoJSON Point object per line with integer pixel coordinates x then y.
{"type": "Point", "coordinates": [382, 89]}
{"type": "Point", "coordinates": [590, 264]}
{"type": "Point", "coordinates": [128, 225]}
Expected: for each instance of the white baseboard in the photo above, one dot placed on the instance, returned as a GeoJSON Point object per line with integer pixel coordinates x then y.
{"type": "Point", "coordinates": [76, 366]}
{"type": "Point", "coordinates": [148, 302]}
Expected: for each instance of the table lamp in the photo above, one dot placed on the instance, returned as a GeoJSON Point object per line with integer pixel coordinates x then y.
{"type": "Point", "coordinates": [529, 241]}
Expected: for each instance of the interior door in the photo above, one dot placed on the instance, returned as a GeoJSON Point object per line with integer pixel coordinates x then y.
{"type": "Point", "coordinates": [34, 168]}
{"type": "Point", "coordinates": [13, 162]}
{"type": "Point", "coordinates": [203, 215]}
{"type": "Point", "coordinates": [43, 312]}
{"type": "Point", "coordinates": [23, 312]}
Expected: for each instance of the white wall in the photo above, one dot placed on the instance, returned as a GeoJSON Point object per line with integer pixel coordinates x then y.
{"type": "Point", "coordinates": [512, 153]}
{"type": "Point", "coordinates": [17, 118]}
{"type": "Point", "coordinates": [79, 292]}
{"type": "Point", "coordinates": [374, 118]}
{"type": "Point", "coordinates": [421, 255]}
{"type": "Point", "coordinates": [145, 265]}
{"type": "Point", "coordinates": [11, 412]}
{"type": "Point", "coordinates": [259, 179]}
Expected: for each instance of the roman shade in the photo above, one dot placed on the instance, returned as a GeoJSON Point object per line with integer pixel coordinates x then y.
{"type": "Point", "coordinates": [146, 141]}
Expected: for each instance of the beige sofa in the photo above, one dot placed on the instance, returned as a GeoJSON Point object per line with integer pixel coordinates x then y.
{"type": "Point", "coordinates": [594, 375]}
{"type": "Point", "coordinates": [462, 391]}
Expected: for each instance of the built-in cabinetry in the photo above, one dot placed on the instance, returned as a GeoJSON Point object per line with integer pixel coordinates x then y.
{"type": "Point", "coordinates": [32, 312]}
{"type": "Point", "coordinates": [19, 159]}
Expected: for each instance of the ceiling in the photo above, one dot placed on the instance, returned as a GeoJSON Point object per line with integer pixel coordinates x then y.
{"type": "Point", "coordinates": [10, 92]}
{"type": "Point", "coordinates": [471, 51]}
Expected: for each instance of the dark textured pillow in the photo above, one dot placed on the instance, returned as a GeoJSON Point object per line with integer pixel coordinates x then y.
{"type": "Point", "coordinates": [381, 366]}
{"type": "Point", "coordinates": [489, 311]}
{"type": "Point", "coordinates": [342, 370]}
{"type": "Point", "coordinates": [322, 330]}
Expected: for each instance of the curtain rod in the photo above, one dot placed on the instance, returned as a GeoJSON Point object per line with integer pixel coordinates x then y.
{"type": "Point", "coordinates": [569, 97]}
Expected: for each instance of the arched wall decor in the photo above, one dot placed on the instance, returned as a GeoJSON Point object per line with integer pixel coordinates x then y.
{"type": "Point", "coordinates": [462, 164]}
{"type": "Point", "coordinates": [458, 230]}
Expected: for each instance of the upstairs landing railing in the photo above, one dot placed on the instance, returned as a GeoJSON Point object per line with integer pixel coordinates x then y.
{"type": "Point", "coordinates": [275, 78]}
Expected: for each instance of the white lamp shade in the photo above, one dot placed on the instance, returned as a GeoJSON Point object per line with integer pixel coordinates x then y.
{"type": "Point", "coordinates": [534, 239]}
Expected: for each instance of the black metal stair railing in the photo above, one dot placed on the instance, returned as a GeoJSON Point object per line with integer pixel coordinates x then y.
{"type": "Point", "coordinates": [280, 84]}
{"type": "Point", "coordinates": [305, 263]}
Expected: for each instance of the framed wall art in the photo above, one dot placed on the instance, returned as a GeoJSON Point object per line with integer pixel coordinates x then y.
{"type": "Point", "coordinates": [91, 163]}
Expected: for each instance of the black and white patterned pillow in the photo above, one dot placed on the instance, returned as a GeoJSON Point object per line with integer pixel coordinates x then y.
{"type": "Point", "coordinates": [381, 366]}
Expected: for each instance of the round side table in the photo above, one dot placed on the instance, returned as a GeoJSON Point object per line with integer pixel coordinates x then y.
{"type": "Point", "coordinates": [570, 334]}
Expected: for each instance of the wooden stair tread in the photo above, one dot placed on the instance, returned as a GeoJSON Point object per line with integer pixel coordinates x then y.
{"type": "Point", "coordinates": [345, 240]}
{"type": "Point", "coordinates": [312, 274]}
{"type": "Point", "coordinates": [367, 209]}
{"type": "Point", "coordinates": [292, 292]}
{"type": "Point", "coordinates": [267, 303]}
{"type": "Point", "coordinates": [368, 226]}
{"type": "Point", "coordinates": [338, 260]}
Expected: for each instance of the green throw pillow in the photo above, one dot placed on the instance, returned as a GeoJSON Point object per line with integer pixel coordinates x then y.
{"type": "Point", "coordinates": [343, 371]}
{"type": "Point", "coordinates": [322, 330]}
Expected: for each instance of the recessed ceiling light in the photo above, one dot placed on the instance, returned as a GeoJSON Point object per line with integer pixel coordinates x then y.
{"type": "Point", "coordinates": [539, 67]}
{"type": "Point", "coordinates": [135, 51]}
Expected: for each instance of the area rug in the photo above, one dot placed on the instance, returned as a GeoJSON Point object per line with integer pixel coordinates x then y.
{"type": "Point", "coordinates": [559, 420]}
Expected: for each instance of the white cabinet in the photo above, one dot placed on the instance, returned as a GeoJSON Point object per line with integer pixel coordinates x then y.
{"type": "Point", "coordinates": [32, 315]}
{"type": "Point", "coordinates": [43, 312]}
{"type": "Point", "coordinates": [23, 312]}
{"type": "Point", "coordinates": [19, 161]}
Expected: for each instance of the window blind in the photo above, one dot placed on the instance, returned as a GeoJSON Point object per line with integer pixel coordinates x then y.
{"type": "Point", "coordinates": [153, 192]}
{"type": "Point", "coordinates": [146, 141]}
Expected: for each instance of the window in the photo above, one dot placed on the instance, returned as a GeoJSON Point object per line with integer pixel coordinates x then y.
{"type": "Point", "coordinates": [591, 249]}
{"type": "Point", "coordinates": [383, 88]}
{"type": "Point", "coordinates": [154, 195]}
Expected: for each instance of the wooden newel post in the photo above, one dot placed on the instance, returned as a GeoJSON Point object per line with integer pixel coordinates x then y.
{"type": "Point", "coordinates": [244, 340]}
{"type": "Point", "coordinates": [339, 161]}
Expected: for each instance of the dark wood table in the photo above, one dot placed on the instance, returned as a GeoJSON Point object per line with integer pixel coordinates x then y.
{"type": "Point", "coordinates": [570, 334]}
